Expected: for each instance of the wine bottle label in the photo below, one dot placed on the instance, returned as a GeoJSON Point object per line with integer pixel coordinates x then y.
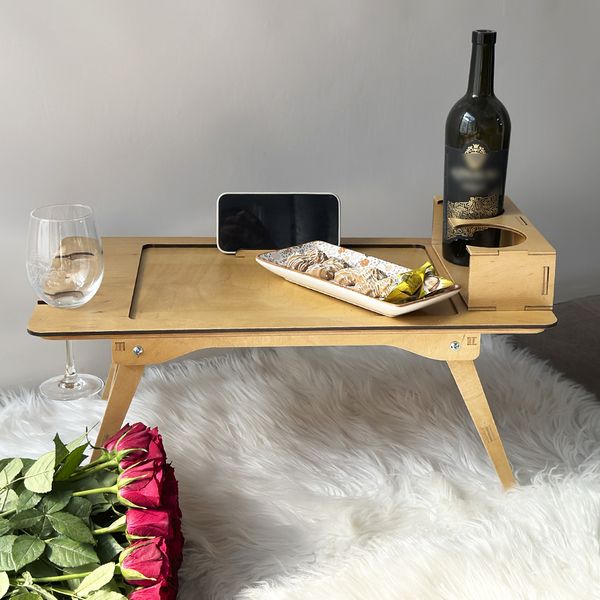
{"type": "Point", "coordinates": [474, 186]}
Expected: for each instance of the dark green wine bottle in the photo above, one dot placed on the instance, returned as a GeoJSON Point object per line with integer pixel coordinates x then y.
{"type": "Point", "coordinates": [477, 138]}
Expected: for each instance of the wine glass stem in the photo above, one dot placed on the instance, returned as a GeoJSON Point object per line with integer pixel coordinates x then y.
{"type": "Point", "coordinates": [70, 379]}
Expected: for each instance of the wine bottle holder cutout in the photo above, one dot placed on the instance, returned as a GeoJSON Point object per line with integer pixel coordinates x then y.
{"type": "Point", "coordinates": [516, 275]}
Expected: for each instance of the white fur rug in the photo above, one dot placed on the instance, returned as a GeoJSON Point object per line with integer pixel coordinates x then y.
{"type": "Point", "coordinates": [350, 473]}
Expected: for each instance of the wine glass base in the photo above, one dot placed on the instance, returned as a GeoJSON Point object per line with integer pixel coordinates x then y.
{"type": "Point", "coordinates": [85, 386]}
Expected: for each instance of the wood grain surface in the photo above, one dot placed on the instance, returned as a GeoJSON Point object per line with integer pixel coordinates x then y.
{"type": "Point", "coordinates": [186, 286]}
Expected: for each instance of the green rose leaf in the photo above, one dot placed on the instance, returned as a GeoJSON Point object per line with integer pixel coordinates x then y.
{"type": "Point", "coordinates": [108, 547]}
{"type": "Point", "coordinates": [38, 477]}
{"type": "Point", "coordinates": [82, 571]}
{"type": "Point", "coordinates": [26, 519]}
{"type": "Point", "coordinates": [71, 526]}
{"type": "Point", "coordinates": [80, 507]}
{"type": "Point", "coordinates": [4, 528]}
{"type": "Point", "coordinates": [100, 506]}
{"type": "Point", "coordinates": [97, 579]}
{"type": "Point", "coordinates": [43, 592]}
{"type": "Point", "coordinates": [77, 442]}
{"type": "Point", "coordinates": [65, 552]}
{"type": "Point", "coordinates": [4, 583]}
{"type": "Point", "coordinates": [107, 477]}
{"type": "Point", "coordinates": [27, 462]}
{"type": "Point", "coordinates": [90, 483]}
{"type": "Point", "coordinates": [55, 501]}
{"type": "Point", "coordinates": [6, 561]}
{"type": "Point", "coordinates": [42, 529]}
{"type": "Point", "coordinates": [60, 450]}
{"type": "Point", "coordinates": [29, 586]}
{"type": "Point", "coordinates": [39, 568]}
{"type": "Point", "coordinates": [26, 549]}
{"type": "Point", "coordinates": [106, 595]}
{"type": "Point", "coordinates": [8, 499]}
{"type": "Point", "coordinates": [27, 499]}
{"type": "Point", "coordinates": [122, 520]}
{"type": "Point", "coordinates": [26, 595]}
{"type": "Point", "coordinates": [71, 462]}
{"type": "Point", "coordinates": [10, 471]}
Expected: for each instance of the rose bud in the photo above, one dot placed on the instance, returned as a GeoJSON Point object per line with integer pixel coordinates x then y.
{"type": "Point", "coordinates": [141, 485]}
{"type": "Point", "coordinates": [171, 504]}
{"type": "Point", "coordinates": [149, 522]}
{"type": "Point", "coordinates": [175, 548]}
{"type": "Point", "coordinates": [158, 591]}
{"type": "Point", "coordinates": [133, 443]}
{"type": "Point", "coordinates": [171, 492]}
{"type": "Point", "coordinates": [145, 563]}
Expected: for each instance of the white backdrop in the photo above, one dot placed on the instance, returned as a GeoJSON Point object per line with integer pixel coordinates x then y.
{"type": "Point", "coordinates": [147, 110]}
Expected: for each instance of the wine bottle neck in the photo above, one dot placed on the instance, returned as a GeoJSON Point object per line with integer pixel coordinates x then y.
{"type": "Point", "coordinates": [481, 75]}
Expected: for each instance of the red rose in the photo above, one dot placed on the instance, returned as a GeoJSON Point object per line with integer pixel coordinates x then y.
{"type": "Point", "coordinates": [133, 443]}
{"type": "Point", "coordinates": [141, 485]}
{"type": "Point", "coordinates": [171, 491]}
{"type": "Point", "coordinates": [170, 502]}
{"type": "Point", "coordinates": [158, 591]}
{"type": "Point", "coordinates": [145, 563]}
{"type": "Point", "coordinates": [111, 442]}
{"type": "Point", "coordinates": [150, 523]}
{"type": "Point", "coordinates": [175, 549]}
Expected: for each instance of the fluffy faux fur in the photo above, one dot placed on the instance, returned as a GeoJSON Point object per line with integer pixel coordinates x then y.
{"type": "Point", "coordinates": [355, 473]}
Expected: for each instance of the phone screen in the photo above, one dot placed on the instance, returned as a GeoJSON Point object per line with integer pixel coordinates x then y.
{"type": "Point", "coordinates": [274, 221]}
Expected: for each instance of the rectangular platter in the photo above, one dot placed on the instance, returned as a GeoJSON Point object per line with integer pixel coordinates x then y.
{"type": "Point", "coordinates": [277, 261]}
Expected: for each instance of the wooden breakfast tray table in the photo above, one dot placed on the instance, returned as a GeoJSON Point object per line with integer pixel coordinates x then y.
{"type": "Point", "coordinates": [162, 298]}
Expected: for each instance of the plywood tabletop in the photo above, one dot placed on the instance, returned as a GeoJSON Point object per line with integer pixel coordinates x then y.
{"type": "Point", "coordinates": [186, 286]}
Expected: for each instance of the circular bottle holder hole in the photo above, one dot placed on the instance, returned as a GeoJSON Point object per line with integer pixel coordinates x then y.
{"type": "Point", "coordinates": [493, 237]}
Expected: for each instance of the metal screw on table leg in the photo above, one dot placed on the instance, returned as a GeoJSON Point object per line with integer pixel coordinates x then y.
{"type": "Point", "coordinates": [138, 350]}
{"type": "Point", "coordinates": [454, 345]}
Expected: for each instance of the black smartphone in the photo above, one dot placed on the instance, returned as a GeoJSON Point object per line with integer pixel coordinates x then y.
{"type": "Point", "coordinates": [270, 221]}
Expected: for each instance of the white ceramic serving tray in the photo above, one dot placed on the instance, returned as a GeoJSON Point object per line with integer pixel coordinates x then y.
{"type": "Point", "coordinates": [276, 261]}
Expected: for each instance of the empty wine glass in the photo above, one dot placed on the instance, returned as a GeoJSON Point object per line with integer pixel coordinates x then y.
{"type": "Point", "coordinates": [65, 266]}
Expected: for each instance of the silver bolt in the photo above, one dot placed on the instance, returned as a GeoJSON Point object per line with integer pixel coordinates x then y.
{"type": "Point", "coordinates": [454, 345]}
{"type": "Point", "coordinates": [138, 350]}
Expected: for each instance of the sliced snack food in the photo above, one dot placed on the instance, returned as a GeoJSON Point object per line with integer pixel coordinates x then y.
{"type": "Point", "coordinates": [346, 277]}
{"type": "Point", "coordinates": [301, 261]}
{"type": "Point", "coordinates": [379, 288]}
{"type": "Point", "coordinates": [369, 280]}
{"type": "Point", "coordinates": [337, 264]}
{"type": "Point", "coordinates": [322, 271]}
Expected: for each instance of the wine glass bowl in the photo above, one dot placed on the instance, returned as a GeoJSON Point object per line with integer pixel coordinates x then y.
{"type": "Point", "coordinates": [64, 259]}
{"type": "Point", "coordinates": [65, 266]}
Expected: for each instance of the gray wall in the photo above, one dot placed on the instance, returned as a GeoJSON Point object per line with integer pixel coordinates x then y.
{"type": "Point", "coordinates": [147, 110]}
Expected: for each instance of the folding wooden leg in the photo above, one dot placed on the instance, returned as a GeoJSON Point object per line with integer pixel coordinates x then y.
{"type": "Point", "coordinates": [110, 378]}
{"type": "Point", "coordinates": [125, 380]}
{"type": "Point", "coordinates": [467, 380]}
